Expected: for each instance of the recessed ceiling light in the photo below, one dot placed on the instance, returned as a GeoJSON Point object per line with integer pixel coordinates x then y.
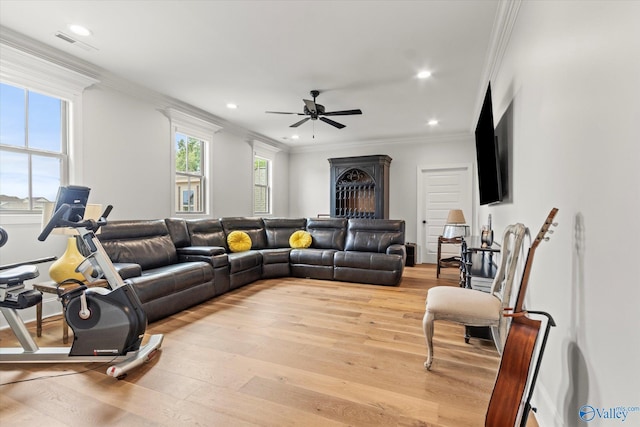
{"type": "Point", "coordinates": [432, 122]}
{"type": "Point", "coordinates": [295, 137]}
{"type": "Point", "coordinates": [424, 74]}
{"type": "Point", "coordinates": [232, 106]}
{"type": "Point", "coordinates": [79, 30]}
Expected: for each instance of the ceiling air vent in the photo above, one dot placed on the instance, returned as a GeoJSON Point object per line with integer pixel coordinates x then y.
{"type": "Point", "coordinates": [67, 38]}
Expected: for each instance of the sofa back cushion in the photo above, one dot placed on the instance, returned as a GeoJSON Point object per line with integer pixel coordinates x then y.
{"type": "Point", "coordinates": [374, 235]}
{"type": "Point", "coordinates": [327, 233]}
{"type": "Point", "coordinates": [254, 227]}
{"type": "Point", "coordinates": [279, 230]}
{"type": "Point", "coordinates": [142, 242]}
{"type": "Point", "coordinates": [207, 232]}
{"type": "Point", "coordinates": [178, 231]}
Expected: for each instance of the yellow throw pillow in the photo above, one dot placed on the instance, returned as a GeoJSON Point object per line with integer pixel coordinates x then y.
{"type": "Point", "coordinates": [238, 241]}
{"type": "Point", "coordinates": [300, 240]}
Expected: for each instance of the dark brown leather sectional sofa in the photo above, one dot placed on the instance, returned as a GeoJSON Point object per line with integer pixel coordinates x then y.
{"type": "Point", "coordinates": [176, 263]}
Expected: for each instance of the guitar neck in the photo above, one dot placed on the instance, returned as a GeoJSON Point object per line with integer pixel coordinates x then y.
{"type": "Point", "coordinates": [525, 281]}
{"type": "Point", "coordinates": [527, 269]}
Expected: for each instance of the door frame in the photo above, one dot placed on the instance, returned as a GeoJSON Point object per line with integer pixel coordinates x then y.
{"type": "Point", "coordinates": [421, 169]}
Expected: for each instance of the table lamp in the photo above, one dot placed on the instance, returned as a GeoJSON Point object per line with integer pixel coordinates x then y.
{"type": "Point", "coordinates": [65, 266]}
{"type": "Point", "coordinates": [456, 225]}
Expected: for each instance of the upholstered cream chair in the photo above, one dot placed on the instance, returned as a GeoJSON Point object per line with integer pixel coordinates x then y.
{"type": "Point", "coordinates": [477, 308]}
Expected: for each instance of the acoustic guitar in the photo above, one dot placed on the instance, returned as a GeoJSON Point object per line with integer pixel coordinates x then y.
{"type": "Point", "coordinates": [508, 405]}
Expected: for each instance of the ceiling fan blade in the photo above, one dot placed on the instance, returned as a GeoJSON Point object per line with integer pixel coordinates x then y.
{"type": "Point", "coordinates": [295, 125]}
{"type": "Point", "coordinates": [311, 106]}
{"type": "Point", "coordinates": [332, 123]}
{"type": "Point", "coordinates": [283, 112]}
{"type": "Point", "coordinates": [343, 113]}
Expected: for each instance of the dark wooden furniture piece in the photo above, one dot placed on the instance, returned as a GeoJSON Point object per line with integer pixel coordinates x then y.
{"type": "Point", "coordinates": [480, 263]}
{"type": "Point", "coordinates": [412, 250]}
{"type": "Point", "coordinates": [360, 187]}
{"type": "Point", "coordinates": [449, 262]}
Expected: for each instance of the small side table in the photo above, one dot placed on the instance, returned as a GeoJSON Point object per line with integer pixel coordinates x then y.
{"type": "Point", "coordinates": [51, 287]}
{"type": "Point", "coordinates": [478, 262]}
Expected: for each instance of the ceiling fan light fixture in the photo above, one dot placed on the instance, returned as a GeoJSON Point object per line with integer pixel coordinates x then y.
{"type": "Point", "coordinates": [79, 30]}
{"type": "Point", "coordinates": [424, 74]}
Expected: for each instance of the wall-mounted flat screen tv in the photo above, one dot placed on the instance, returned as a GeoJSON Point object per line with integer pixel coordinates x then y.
{"type": "Point", "coordinates": [489, 175]}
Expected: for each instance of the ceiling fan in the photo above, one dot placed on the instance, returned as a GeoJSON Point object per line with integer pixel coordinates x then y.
{"type": "Point", "coordinates": [317, 111]}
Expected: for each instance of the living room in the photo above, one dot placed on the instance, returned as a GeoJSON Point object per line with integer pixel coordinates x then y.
{"type": "Point", "coordinates": [565, 76]}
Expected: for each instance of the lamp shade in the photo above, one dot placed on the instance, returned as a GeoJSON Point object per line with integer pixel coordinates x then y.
{"type": "Point", "coordinates": [456, 225]}
{"type": "Point", "coordinates": [456, 217]}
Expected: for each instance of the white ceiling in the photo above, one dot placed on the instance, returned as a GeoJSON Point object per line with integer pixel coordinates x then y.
{"type": "Point", "coordinates": [268, 55]}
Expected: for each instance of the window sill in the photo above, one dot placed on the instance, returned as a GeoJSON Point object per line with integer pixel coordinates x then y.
{"type": "Point", "coordinates": [20, 219]}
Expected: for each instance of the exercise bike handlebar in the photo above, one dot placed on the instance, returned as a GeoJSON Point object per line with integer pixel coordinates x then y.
{"type": "Point", "coordinates": [60, 219]}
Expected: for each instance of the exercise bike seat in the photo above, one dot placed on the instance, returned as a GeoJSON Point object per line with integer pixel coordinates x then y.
{"type": "Point", "coordinates": [17, 275]}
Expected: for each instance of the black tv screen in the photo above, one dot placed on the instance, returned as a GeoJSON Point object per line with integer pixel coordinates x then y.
{"type": "Point", "coordinates": [74, 196]}
{"type": "Point", "coordinates": [489, 175]}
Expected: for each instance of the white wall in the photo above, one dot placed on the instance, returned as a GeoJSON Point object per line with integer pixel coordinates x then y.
{"type": "Point", "coordinates": [309, 171]}
{"type": "Point", "coordinates": [126, 151]}
{"type": "Point", "coordinates": [570, 80]}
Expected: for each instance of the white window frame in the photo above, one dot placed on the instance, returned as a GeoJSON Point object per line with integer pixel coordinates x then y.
{"type": "Point", "coordinates": [181, 122]}
{"type": "Point", "coordinates": [36, 74]}
{"type": "Point", "coordinates": [267, 152]}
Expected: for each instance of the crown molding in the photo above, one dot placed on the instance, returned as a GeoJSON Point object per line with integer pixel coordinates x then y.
{"type": "Point", "coordinates": [24, 69]}
{"type": "Point", "coordinates": [503, 24]}
{"type": "Point", "coordinates": [110, 80]}
{"type": "Point", "coordinates": [405, 140]}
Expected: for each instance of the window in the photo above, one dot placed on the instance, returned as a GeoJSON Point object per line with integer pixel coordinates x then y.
{"type": "Point", "coordinates": [191, 146]}
{"type": "Point", "coordinates": [261, 185]}
{"type": "Point", "coordinates": [33, 148]}
{"type": "Point", "coordinates": [263, 175]}
{"type": "Point", "coordinates": [40, 131]}
{"type": "Point", "coordinates": [189, 177]}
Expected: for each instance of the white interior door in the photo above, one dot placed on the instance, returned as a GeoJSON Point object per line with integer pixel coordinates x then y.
{"type": "Point", "coordinates": [441, 189]}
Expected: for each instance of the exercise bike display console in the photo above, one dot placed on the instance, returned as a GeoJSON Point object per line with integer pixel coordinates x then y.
{"type": "Point", "coordinates": [108, 324]}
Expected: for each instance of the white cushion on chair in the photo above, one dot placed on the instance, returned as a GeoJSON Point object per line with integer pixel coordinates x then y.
{"type": "Point", "coordinates": [467, 306]}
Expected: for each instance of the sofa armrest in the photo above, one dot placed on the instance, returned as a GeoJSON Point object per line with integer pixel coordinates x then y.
{"type": "Point", "coordinates": [201, 250]}
{"type": "Point", "coordinates": [214, 255]}
{"type": "Point", "coordinates": [127, 270]}
{"type": "Point", "coordinates": [398, 250]}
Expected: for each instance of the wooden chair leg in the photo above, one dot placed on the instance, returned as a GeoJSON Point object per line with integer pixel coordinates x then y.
{"type": "Point", "coordinates": [427, 327]}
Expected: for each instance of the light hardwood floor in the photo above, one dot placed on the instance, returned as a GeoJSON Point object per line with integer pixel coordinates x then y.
{"type": "Point", "coordinates": [281, 352]}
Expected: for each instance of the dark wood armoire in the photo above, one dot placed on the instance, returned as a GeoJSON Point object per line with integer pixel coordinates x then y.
{"type": "Point", "coordinates": [360, 186]}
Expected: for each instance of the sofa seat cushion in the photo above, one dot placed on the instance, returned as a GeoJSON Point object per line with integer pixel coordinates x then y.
{"type": "Point", "coordinates": [368, 261]}
{"type": "Point", "coordinates": [275, 256]}
{"type": "Point", "coordinates": [241, 261]}
{"type": "Point", "coordinates": [159, 282]}
{"type": "Point", "coordinates": [312, 256]}
{"type": "Point", "coordinates": [372, 268]}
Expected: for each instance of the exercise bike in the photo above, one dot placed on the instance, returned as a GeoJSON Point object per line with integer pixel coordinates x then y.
{"type": "Point", "coordinates": [108, 324]}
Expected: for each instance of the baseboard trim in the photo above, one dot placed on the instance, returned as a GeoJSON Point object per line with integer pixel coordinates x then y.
{"type": "Point", "coordinates": [50, 307]}
{"type": "Point", "coordinates": [546, 410]}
